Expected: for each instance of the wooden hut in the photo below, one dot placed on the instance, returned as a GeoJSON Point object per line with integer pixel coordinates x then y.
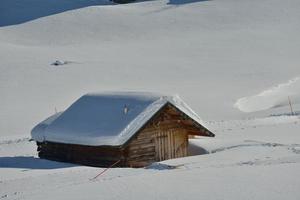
{"type": "Point", "coordinates": [130, 129]}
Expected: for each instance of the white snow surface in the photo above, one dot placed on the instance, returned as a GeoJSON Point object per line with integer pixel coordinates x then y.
{"type": "Point", "coordinates": [211, 52]}
{"type": "Point", "coordinates": [247, 160]}
{"type": "Point", "coordinates": [99, 119]}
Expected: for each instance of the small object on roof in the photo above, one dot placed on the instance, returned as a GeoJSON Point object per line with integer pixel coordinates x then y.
{"type": "Point", "coordinates": [126, 109]}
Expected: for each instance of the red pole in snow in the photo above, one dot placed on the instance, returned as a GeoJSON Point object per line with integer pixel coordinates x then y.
{"type": "Point", "coordinates": [106, 170]}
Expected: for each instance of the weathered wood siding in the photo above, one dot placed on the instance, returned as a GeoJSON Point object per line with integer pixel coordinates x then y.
{"type": "Point", "coordinates": [163, 138]}
{"type": "Point", "coordinates": [81, 154]}
{"type": "Point", "coordinates": [171, 143]}
{"type": "Point", "coordinates": [141, 150]}
{"type": "Point", "coordinates": [156, 144]}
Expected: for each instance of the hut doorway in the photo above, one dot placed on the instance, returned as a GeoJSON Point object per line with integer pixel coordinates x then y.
{"type": "Point", "coordinates": [170, 144]}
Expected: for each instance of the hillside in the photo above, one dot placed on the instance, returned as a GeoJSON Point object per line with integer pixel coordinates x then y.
{"type": "Point", "coordinates": [234, 62]}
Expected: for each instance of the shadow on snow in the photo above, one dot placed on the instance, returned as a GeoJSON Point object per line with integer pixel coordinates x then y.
{"type": "Point", "coordinates": [195, 150]}
{"type": "Point", "coordinates": [13, 12]}
{"type": "Point", "coordinates": [29, 162]}
{"type": "Point", "coordinates": [181, 2]}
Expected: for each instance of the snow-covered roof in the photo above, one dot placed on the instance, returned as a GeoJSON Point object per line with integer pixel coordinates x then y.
{"type": "Point", "coordinates": [101, 119]}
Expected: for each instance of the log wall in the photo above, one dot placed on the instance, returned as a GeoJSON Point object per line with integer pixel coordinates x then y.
{"type": "Point", "coordinates": [81, 154]}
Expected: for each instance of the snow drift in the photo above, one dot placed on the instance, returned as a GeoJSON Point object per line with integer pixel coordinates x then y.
{"type": "Point", "coordinates": [271, 98]}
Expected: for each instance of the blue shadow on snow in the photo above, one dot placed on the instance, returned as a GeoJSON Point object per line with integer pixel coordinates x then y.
{"type": "Point", "coordinates": [181, 2]}
{"type": "Point", "coordinates": [29, 162]}
{"type": "Point", "coordinates": [14, 12]}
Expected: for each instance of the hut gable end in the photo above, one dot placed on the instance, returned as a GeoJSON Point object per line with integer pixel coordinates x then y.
{"type": "Point", "coordinates": [164, 137]}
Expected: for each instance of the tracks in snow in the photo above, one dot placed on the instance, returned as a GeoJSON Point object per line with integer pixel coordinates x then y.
{"type": "Point", "coordinates": [252, 143]}
{"type": "Point", "coordinates": [14, 141]}
{"type": "Point", "coordinates": [240, 154]}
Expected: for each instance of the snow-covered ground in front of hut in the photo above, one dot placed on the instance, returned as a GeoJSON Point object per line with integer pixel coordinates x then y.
{"type": "Point", "coordinates": [244, 162]}
{"type": "Point", "coordinates": [235, 63]}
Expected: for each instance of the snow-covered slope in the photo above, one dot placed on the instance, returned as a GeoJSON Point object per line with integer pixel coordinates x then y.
{"type": "Point", "coordinates": [223, 57]}
{"type": "Point", "coordinates": [209, 52]}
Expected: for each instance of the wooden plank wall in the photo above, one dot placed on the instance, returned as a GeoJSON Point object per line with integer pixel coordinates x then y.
{"type": "Point", "coordinates": [141, 150]}
{"type": "Point", "coordinates": [157, 144]}
{"type": "Point", "coordinates": [164, 137]}
{"type": "Point", "coordinates": [171, 143]}
{"type": "Point", "coordinates": [86, 155]}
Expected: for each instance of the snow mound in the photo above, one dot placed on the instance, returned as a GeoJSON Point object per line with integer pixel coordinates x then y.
{"type": "Point", "coordinates": [161, 166]}
{"type": "Point", "coordinates": [271, 98]}
{"type": "Point", "coordinates": [60, 62]}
